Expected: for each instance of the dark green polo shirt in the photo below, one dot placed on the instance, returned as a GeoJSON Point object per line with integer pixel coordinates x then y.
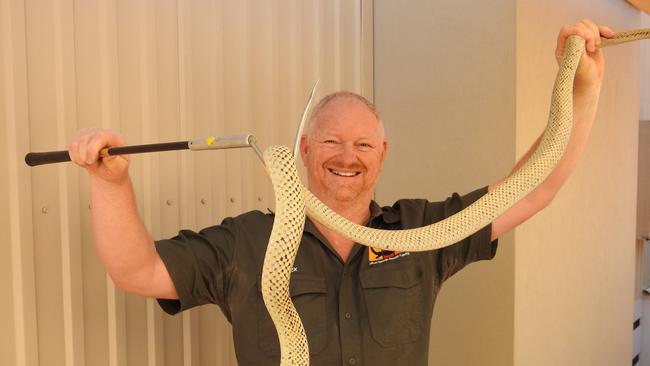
{"type": "Point", "coordinates": [373, 310]}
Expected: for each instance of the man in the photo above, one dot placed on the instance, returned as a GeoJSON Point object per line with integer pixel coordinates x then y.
{"type": "Point", "coordinates": [359, 305]}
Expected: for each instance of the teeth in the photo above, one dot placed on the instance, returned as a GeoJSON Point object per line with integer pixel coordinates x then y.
{"type": "Point", "coordinates": [344, 174]}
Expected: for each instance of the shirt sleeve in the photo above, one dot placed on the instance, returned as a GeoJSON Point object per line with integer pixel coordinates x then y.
{"type": "Point", "coordinates": [200, 266]}
{"type": "Point", "coordinates": [476, 247]}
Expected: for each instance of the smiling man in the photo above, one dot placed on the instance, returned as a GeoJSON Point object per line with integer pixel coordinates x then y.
{"type": "Point", "coordinates": [359, 305]}
{"type": "Point", "coordinates": [344, 151]}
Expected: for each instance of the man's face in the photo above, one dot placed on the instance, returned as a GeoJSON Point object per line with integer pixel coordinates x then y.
{"type": "Point", "coordinates": [344, 152]}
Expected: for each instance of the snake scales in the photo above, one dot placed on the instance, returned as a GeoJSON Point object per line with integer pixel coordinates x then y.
{"type": "Point", "coordinates": [293, 201]}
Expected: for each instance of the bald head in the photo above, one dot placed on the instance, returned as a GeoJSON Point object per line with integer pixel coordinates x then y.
{"type": "Point", "coordinates": [337, 103]}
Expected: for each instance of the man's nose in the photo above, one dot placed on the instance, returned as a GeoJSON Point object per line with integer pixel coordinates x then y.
{"type": "Point", "coordinates": [348, 153]}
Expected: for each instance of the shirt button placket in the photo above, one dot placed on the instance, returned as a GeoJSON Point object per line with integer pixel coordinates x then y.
{"type": "Point", "coordinates": [348, 325]}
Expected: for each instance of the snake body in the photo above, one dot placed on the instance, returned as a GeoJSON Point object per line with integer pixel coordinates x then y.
{"type": "Point", "coordinates": [293, 201]}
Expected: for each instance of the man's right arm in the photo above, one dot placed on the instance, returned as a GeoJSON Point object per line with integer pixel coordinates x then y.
{"type": "Point", "coordinates": [121, 240]}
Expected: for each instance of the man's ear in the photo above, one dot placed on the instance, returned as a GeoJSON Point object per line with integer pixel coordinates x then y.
{"type": "Point", "coordinates": [304, 148]}
{"type": "Point", "coordinates": [383, 154]}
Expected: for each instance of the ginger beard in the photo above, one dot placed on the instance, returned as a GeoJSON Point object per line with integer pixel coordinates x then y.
{"type": "Point", "coordinates": [344, 151]}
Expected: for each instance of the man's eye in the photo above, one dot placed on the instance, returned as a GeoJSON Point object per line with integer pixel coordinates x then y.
{"type": "Point", "coordinates": [364, 146]}
{"type": "Point", "coordinates": [332, 142]}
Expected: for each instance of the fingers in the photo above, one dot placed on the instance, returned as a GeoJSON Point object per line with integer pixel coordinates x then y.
{"type": "Point", "coordinates": [592, 35]}
{"type": "Point", "coordinates": [586, 29]}
{"type": "Point", "coordinates": [86, 143]}
{"type": "Point", "coordinates": [75, 145]}
{"type": "Point", "coordinates": [606, 32]}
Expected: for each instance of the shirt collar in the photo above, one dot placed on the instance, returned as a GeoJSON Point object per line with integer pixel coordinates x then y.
{"type": "Point", "coordinates": [375, 212]}
{"type": "Point", "coordinates": [375, 209]}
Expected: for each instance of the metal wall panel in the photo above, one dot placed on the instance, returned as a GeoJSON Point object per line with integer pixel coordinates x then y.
{"type": "Point", "coordinates": [19, 335]}
{"type": "Point", "coordinates": [155, 71]}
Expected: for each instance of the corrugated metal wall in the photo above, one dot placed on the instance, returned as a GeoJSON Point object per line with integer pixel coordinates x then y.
{"type": "Point", "coordinates": [155, 71]}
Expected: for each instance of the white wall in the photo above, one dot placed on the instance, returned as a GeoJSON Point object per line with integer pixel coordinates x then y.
{"type": "Point", "coordinates": [445, 86]}
{"type": "Point", "coordinates": [645, 72]}
{"type": "Point", "coordinates": [464, 88]}
{"type": "Point", "coordinates": [574, 264]}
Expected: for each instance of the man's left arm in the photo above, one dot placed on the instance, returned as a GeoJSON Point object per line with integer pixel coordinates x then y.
{"type": "Point", "coordinates": [586, 90]}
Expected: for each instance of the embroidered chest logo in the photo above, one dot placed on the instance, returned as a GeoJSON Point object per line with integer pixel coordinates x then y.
{"type": "Point", "coordinates": [377, 255]}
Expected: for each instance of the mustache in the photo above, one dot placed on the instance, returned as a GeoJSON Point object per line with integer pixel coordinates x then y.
{"type": "Point", "coordinates": [335, 164]}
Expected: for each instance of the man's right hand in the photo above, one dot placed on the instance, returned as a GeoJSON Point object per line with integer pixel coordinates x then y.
{"type": "Point", "coordinates": [84, 150]}
{"type": "Point", "coordinates": [121, 240]}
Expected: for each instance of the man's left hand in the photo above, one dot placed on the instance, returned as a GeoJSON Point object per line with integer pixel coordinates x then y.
{"type": "Point", "coordinates": [592, 64]}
